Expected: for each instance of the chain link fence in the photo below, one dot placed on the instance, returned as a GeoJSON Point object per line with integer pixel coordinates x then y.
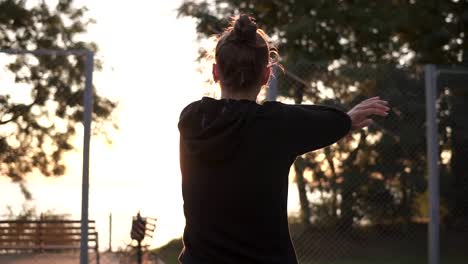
{"type": "Point", "coordinates": [365, 199]}
{"type": "Point", "coordinates": [42, 112]}
{"type": "Point", "coordinates": [452, 89]}
{"type": "Point", "coordinates": [362, 200]}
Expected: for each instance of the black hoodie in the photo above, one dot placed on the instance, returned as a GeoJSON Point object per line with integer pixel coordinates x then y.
{"type": "Point", "coordinates": [235, 157]}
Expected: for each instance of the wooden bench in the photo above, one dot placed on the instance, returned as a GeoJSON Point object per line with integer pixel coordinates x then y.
{"type": "Point", "coordinates": [17, 236]}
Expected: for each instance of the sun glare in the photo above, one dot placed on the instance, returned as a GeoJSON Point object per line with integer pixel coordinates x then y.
{"type": "Point", "coordinates": [150, 70]}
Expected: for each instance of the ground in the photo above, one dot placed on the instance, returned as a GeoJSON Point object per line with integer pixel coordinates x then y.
{"type": "Point", "coordinates": [370, 246]}
{"type": "Point", "coordinates": [69, 258]}
{"type": "Point", "coordinates": [313, 246]}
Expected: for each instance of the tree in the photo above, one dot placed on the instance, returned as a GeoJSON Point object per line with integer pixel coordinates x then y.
{"type": "Point", "coordinates": [357, 31]}
{"type": "Point", "coordinates": [357, 38]}
{"type": "Point", "coordinates": [454, 123]}
{"type": "Point", "coordinates": [36, 131]}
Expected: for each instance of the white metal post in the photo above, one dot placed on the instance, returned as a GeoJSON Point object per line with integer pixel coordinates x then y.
{"type": "Point", "coordinates": [432, 139]}
{"type": "Point", "coordinates": [87, 117]}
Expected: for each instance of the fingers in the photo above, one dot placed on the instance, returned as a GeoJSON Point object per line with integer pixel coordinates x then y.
{"type": "Point", "coordinates": [376, 102]}
{"type": "Point", "coordinates": [365, 123]}
{"type": "Point", "coordinates": [370, 100]}
{"type": "Point", "coordinates": [378, 107]}
{"type": "Point", "coordinates": [373, 111]}
{"type": "Point", "coordinates": [373, 107]}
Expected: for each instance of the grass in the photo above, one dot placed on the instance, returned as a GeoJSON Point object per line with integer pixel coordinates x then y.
{"type": "Point", "coordinates": [314, 246]}
{"type": "Point", "coordinates": [170, 252]}
{"type": "Point", "coordinates": [395, 260]}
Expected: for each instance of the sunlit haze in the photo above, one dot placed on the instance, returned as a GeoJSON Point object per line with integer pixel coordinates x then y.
{"type": "Point", "coordinates": [149, 68]}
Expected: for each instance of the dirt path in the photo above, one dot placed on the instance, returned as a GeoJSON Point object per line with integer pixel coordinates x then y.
{"type": "Point", "coordinates": [50, 258]}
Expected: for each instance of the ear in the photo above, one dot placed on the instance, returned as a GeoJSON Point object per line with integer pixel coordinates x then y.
{"type": "Point", "coordinates": [266, 77]}
{"type": "Point", "coordinates": [215, 72]}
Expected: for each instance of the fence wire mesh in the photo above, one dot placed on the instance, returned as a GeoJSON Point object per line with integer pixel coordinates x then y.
{"type": "Point", "coordinates": [362, 200]}
{"type": "Point", "coordinates": [41, 116]}
{"type": "Point", "coordinates": [365, 199]}
{"type": "Point", "coordinates": [452, 89]}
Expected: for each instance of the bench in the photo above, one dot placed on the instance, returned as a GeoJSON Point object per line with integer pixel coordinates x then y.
{"type": "Point", "coordinates": [18, 236]}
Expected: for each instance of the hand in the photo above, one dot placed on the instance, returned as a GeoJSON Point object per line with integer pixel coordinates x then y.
{"type": "Point", "coordinates": [360, 114]}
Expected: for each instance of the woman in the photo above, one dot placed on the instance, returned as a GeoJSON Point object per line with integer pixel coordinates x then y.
{"type": "Point", "coordinates": [235, 155]}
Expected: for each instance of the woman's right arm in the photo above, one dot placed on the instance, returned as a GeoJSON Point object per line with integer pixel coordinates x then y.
{"type": "Point", "coordinates": [311, 127]}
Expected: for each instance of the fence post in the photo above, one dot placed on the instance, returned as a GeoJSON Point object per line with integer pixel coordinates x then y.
{"type": "Point", "coordinates": [432, 163]}
{"type": "Point", "coordinates": [110, 232]}
{"type": "Point", "coordinates": [88, 109]}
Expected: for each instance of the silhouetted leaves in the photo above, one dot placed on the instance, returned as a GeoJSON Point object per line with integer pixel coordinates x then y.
{"type": "Point", "coordinates": [376, 48]}
{"type": "Point", "coordinates": [36, 133]}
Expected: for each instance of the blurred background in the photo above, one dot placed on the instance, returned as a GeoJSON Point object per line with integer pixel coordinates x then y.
{"type": "Point", "coordinates": [364, 200]}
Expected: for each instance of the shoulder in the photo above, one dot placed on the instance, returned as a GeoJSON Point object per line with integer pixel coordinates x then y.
{"type": "Point", "coordinates": [272, 107]}
{"type": "Point", "coordinates": [189, 108]}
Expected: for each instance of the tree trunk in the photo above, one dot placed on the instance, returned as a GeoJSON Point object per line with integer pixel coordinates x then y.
{"type": "Point", "coordinates": [299, 167]}
{"type": "Point", "coordinates": [333, 183]}
{"type": "Point", "coordinates": [348, 187]}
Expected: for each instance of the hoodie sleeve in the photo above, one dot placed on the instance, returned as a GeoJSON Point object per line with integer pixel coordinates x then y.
{"type": "Point", "coordinates": [311, 127]}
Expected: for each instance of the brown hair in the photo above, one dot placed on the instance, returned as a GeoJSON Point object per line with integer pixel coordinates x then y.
{"type": "Point", "coordinates": [242, 55]}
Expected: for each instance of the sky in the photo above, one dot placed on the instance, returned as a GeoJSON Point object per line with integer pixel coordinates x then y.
{"type": "Point", "coordinates": [149, 58]}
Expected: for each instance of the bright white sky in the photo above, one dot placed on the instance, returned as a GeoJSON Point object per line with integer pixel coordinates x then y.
{"type": "Point", "coordinates": [149, 67]}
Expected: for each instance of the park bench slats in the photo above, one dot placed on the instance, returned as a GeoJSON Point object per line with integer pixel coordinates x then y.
{"type": "Point", "coordinates": [43, 241]}
{"type": "Point", "coordinates": [43, 221]}
{"type": "Point", "coordinates": [31, 232]}
{"type": "Point", "coordinates": [43, 235]}
{"type": "Point", "coordinates": [21, 228]}
{"type": "Point", "coordinates": [38, 248]}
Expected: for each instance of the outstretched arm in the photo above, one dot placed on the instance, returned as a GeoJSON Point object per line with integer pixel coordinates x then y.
{"type": "Point", "coordinates": [310, 127]}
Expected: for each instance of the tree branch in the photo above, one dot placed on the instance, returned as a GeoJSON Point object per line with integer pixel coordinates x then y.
{"type": "Point", "coordinates": [18, 110]}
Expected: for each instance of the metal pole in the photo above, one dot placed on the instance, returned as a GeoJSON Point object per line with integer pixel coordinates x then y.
{"type": "Point", "coordinates": [272, 91]}
{"type": "Point", "coordinates": [139, 253]}
{"type": "Point", "coordinates": [110, 232]}
{"type": "Point", "coordinates": [433, 163]}
{"type": "Point", "coordinates": [88, 109]}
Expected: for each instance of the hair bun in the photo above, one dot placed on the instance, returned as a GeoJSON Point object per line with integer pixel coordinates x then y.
{"type": "Point", "coordinates": [245, 29]}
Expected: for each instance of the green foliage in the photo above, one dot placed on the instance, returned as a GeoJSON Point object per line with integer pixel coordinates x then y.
{"type": "Point", "coordinates": [376, 48]}
{"type": "Point", "coordinates": [321, 244]}
{"type": "Point", "coordinates": [29, 212]}
{"type": "Point", "coordinates": [356, 31]}
{"type": "Point", "coordinates": [169, 253]}
{"type": "Point", "coordinates": [37, 131]}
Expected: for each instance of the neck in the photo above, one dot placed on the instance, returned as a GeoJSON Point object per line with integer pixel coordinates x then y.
{"type": "Point", "coordinates": [251, 96]}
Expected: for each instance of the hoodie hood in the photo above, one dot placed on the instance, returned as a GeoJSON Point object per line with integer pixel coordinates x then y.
{"type": "Point", "coordinates": [214, 129]}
